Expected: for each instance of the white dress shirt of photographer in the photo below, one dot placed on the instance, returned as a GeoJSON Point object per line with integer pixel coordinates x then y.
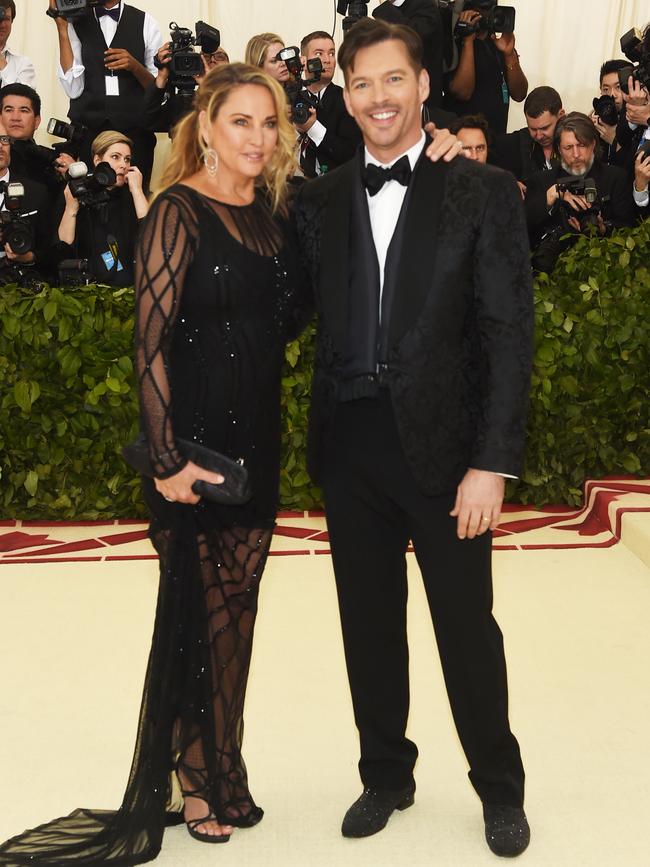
{"type": "Point", "coordinates": [14, 68]}
{"type": "Point", "coordinates": [73, 80]}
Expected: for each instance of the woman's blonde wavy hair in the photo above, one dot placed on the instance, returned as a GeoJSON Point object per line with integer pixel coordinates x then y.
{"type": "Point", "coordinates": [189, 148]}
{"type": "Point", "coordinates": [256, 48]}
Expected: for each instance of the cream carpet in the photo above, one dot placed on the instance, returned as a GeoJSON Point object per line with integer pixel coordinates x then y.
{"type": "Point", "coordinates": [73, 646]}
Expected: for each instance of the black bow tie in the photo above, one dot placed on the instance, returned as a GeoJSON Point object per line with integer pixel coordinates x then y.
{"type": "Point", "coordinates": [112, 13]}
{"type": "Point", "coordinates": [374, 177]}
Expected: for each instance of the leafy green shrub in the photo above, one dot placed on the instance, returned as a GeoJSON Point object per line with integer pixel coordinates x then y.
{"type": "Point", "coordinates": [68, 393]}
{"type": "Point", "coordinates": [589, 410]}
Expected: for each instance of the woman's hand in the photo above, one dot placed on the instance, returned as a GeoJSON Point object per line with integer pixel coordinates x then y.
{"type": "Point", "coordinates": [178, 488]}
{"type": "Point", "coordinates": [71, 202]}
{"type": "Point", "coordinates": [133, 178]}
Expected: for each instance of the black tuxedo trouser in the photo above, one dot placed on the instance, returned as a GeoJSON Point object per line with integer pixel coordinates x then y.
{"type": "Point", "coordinates": [373, 508]}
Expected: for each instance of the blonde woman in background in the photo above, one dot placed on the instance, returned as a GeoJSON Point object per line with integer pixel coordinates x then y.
{"type": "Point", "coordinates": [262, 51]}
{"type": "Point", "coordinates": [216, 300]}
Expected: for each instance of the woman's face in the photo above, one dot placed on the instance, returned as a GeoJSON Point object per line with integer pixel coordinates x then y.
{"type": "Point", "coordinates": [276, 68]}
{"type": "Point", "coordinates": [118, 156]}
{"type": "Point", "coordinates": [244, 133]}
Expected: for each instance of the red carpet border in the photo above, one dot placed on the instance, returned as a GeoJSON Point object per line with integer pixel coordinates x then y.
{"type": "Point", "coordinates": [596, 525]}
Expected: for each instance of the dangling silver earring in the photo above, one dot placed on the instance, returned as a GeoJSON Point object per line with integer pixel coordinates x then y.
{"type": "Point", "coordinates": [211, 160]}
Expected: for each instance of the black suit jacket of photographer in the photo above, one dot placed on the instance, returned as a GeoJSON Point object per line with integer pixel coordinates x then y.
{"type": "Point", "coordinates": [36, 199]}
{"type": "Point", "coordinates": [342, 138]}
{"type": "Point", "coordinates": [424, 17]}
{"type": "Point", "coordinates": [518, 153]}
{"type": "Point", "coordinates": [457, 312]}
{"type": "Point", "coordinates": [28, 160]}
{"type": "Point", "coordinates": [611, 182]}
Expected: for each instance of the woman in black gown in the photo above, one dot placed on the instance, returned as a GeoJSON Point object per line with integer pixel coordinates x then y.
{"type": "Point", "coordinates": [217, 298]}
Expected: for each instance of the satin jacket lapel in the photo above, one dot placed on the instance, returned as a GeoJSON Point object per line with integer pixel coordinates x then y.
{"type": "Point", "coordinates": [419, 249]}
{"type": "Point", "coordinates": [335, 251]}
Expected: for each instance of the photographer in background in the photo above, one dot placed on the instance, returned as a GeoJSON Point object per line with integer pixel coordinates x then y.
{"type": "Point", "coordinates": [424, 17]}
{"type": "Point", "coordinates": [473, 133]}
{"type": "Point", "coordinates": [551, 211]}
{"type": "Point", "coordinates": [163, 105]}
{"type": "Point", "coordinates": [13, 67]}
{"type": "Point", "coordinates": [34, 203]}
{"type": "Point", "coordinates": [106, 85]}
{"type": "Point", "coordinates": [100, 223]}
{"type": "Point", "coordinates": [488, 74]}
{"type": "Point", "coordinates": [330, 136]}
{"type": "Point", "coordinates": [262, 51]}
{"type": "Point", "coordinates": [607, 108]}
{"type": "Point", "coordinates": [20, 109]}
{"type": "Point", "coordinates": [530, 149]}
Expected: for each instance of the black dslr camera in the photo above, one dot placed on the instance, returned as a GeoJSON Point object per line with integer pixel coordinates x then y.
{"type": "Point", "coordinates": [92, 189]}
{"type": "Point", "coordinates": [605, 109]}
{"type": "Point", "coordinates": [72, 135]}
{"type": "Point", "coordinates": [15, 228]}
{"type": "Point", "coordinates": [585, 187]}
{"type": "Point", "coordinates": [353, 11]}
{"type": "Point", "coordinates": [185, 63]}
{"type": "Point", "coordinates": [494, 18]}
{"type": "Point", "coordinates": [72, 9]}
{"type": "Point", "coordinates": [300, 99]}
{"type": "Point", "coordinates": [635, 45]}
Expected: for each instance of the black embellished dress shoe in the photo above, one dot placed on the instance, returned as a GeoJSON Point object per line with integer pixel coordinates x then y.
{"type": "Point", "coordinates": [370, 813]}
{"type": "Point", "coordinates": [506, 829]}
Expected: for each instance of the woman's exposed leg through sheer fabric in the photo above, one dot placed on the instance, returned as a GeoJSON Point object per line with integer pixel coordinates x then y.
{"type": "Point", "coordinates": [209, 729]}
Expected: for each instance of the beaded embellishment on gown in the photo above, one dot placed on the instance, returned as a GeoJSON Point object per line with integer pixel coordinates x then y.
{"type": "Point", "coordinates": [217, 299]}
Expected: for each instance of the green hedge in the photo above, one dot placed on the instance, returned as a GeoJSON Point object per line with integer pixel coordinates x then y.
{"type": "Point", "coordinates": [69, 401]}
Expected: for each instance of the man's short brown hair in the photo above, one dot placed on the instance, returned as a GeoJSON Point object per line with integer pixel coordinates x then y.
{"type": "Point", "coordinates": [317, 34]}
{"type": "Point", "coordinates": [373, 31]}
{"type": "Point", "coordinates": [10, 6]}
{"type": "Point", "coordinates": [580, 125]}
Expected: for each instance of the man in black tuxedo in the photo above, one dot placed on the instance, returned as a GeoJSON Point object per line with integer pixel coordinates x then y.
{"type": "Point", "coordinates": [330, 136]}
{"type": "Point", "coordinates": [35, 203]}
{"type": "Point", "coordinates": [424, 17]}
{"type": "Point", "coordinates": [420, 389]}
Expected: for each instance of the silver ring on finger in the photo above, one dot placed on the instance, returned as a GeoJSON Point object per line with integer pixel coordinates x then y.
{"type": "Point", "coordinates": [169, 500]}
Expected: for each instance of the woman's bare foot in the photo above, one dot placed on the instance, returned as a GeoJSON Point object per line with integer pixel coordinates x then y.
{"type": "Point", "coordinates": [196, 808]}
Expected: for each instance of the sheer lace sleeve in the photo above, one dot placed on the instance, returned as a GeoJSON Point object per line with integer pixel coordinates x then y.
{"type": "Point", "coordinates": [164, 252]}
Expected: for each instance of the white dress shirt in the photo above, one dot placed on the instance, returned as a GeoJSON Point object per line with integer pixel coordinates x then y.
{"type": "Point", "coordinates": [73, 81]}
{"type": "Point", "coordinates": [19, 69]}
{"type": "Point", "coordinates": [317, 131]}
{"type": "Point", "coordinates": [385, 208]}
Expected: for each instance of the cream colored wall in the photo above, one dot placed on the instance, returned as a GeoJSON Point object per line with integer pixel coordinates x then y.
{"type": "Point", "coordinates": [561, 43]}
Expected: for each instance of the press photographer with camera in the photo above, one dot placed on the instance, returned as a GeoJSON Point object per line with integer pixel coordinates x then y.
{"type": "Point", "coordinates": [99, 224]}
{"type": "Point", "coordinates": [180, 70]}
{"type": "Point", "coordinates": [488, 74]}
{"type": "Point", "coordinates": [607, 108]}
{"type": "Point", "coordinates": [530, 149]}
{"type": "Point", "coordinates": [424, 17]}
{"type": "Point", "coordinates": [580, 194]}
{"type": "Point", "coordinates": [13, 67]}
{"type": "Point", "coordinates": [20, 108]}
{"type": "Point", "coordinates": [24, 220]}
{"type": "Point", "coordinates": [329, 135]}
{"type": "Point", "coordinates": [106, 53]}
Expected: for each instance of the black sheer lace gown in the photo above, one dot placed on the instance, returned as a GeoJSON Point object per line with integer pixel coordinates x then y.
{"type": "Point", "coordinates": [216, 301]}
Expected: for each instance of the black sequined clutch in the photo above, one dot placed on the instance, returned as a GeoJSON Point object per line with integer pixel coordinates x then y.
{"type": "Point", "coordinates": [235, 488]}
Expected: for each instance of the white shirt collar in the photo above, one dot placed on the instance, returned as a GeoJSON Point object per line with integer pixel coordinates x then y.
{"type": "Point", "coordinates": [413, 153]}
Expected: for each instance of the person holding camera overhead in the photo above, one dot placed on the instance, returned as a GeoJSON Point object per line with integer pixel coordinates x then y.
{"type": "Point", "coordinates": [488, 74]}
{"type": "Point", "coordinates": [106, 58]}
{"type": "Point", "coordinates": [101, 225]}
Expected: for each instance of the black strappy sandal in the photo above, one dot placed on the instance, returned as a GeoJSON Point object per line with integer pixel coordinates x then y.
{"type": "Point", "coordinates": [205, 838]}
